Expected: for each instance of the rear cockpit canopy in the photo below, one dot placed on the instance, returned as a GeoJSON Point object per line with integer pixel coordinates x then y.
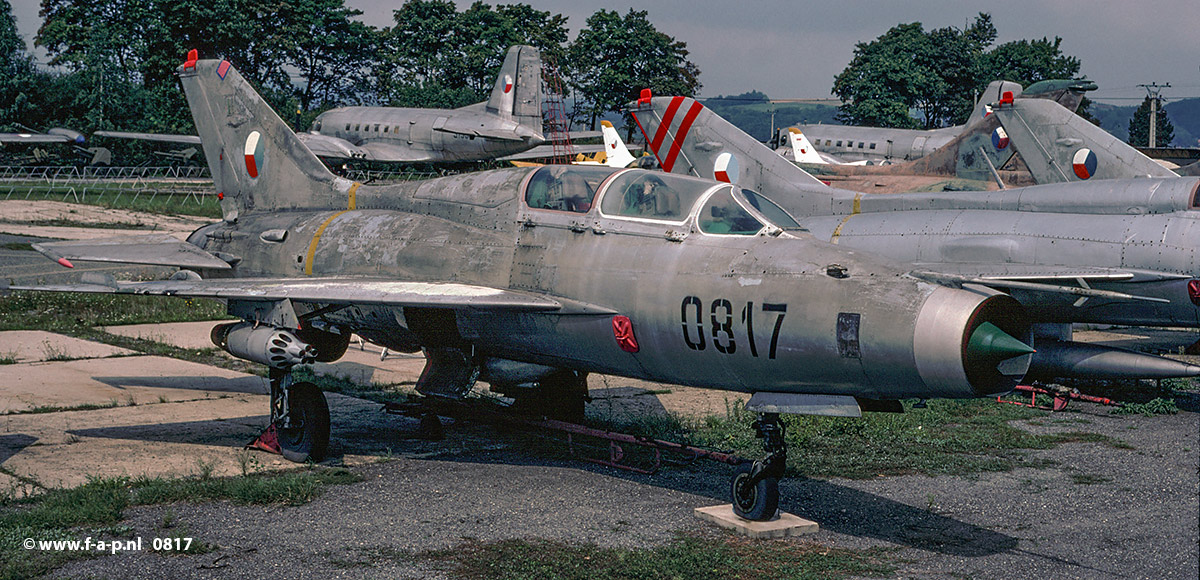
{"type": "Point", "coordinates": [565, 187]}
{"type": "Point", "coordinates": [653, 195]}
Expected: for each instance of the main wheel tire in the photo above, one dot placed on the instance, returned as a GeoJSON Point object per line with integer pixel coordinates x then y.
{"type": "Point", "coordinates": [757, 502]}
{"type": "Point", "coordinates": [308, 437]}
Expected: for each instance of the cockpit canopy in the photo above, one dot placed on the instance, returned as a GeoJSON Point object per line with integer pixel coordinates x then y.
{"type": "Point", "coordinates": [565, 187]}
{"type": "Point", "coordinates": [653, 196]}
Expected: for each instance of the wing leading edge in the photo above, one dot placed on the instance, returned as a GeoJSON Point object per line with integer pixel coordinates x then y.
{"type": "Point", "coordinates": [336, 290]}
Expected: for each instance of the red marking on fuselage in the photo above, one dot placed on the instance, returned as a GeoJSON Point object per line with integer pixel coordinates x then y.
{"type": "Point", "coordinates": [665, 126]}
{"type": "Point", "coordinates": [251, 166]}
{"type": "Point", "coordinates": [65, 263]}
{"type": "Point", "coordinates": [684, 127]}
{"type": "Point", "coordinates": [722, 176]}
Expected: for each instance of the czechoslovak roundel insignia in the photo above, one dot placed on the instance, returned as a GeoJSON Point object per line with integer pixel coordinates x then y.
{"type": "Point", "coordinates": [999, 138]}
{"type": "Point", "coordinates": [254, 153]}
{"type": "Point", "coordinates": [1084, 163]}
{"type": "Point", "coordinates": [726, 168]}
{"type": "Point", "coordinates": [507, 84]}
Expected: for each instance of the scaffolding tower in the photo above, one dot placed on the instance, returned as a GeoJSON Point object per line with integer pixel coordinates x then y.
{"type": "Point", "coordinates": [556, 125]}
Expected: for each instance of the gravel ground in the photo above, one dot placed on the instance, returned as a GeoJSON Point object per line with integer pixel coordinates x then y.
{"type": "Point", "coordinates": [1098, 512]}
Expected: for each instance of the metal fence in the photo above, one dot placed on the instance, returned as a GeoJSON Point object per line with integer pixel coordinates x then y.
{"type": "Point", "coordinates": [94, 184]}
{"type": "Point", "coordinates": [72, 172]}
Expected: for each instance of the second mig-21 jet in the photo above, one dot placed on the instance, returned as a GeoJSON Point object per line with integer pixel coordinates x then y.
{"type": "Point", "coordinates": [1117, 251]}
{"type": "Point", "coordinates": [531, 278]}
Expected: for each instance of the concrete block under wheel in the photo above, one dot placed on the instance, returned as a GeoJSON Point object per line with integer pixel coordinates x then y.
{"type": "Point", "coordinates": [786, 525]}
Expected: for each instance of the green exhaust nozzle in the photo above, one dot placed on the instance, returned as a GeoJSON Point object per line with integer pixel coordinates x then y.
{"type": "Point", "coordinates": [988, 341]}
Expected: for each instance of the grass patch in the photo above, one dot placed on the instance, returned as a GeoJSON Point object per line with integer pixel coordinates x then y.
{"type": "Point", "coordinates": [949, 437]}
{"type": "Point", "coordinates": [694, 557]}
{"type": "Point", "coordinates": [78, 315]}
{"type": "Point", "coordinates": [18, 246]}
{"type": "Point", "coordinates": [97, 507]}
{"type": "Point", "coordinates": [1157, 406]}
{"type": "Point", "coordinates": [114, 198]}
{"type": "Point", "coordinates": [76, 312]}
{"type": "Point", "coordinates": [41, 409]}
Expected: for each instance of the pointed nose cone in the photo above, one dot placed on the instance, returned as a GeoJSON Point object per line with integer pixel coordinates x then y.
{"type": "Point", "coordinates": [989, 342]}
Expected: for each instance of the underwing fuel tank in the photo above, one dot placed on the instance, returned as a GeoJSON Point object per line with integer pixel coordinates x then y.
{"type": "Point", "coordinates": [1078, 360]}
{"type": "Point", "coordinates": [274, 347]}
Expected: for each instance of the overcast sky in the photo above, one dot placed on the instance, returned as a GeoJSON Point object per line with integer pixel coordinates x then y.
{"type": "Point", "coordinates": [793, 48]}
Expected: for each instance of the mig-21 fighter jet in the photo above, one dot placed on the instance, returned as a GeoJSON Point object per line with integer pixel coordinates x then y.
{"type": "Point", "coordinates": [531, 278]}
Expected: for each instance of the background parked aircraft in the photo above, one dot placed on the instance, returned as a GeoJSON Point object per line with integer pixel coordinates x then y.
{"type": "Point", "coordinates": [509, 122]}
{"type": "Point", "coordinates": [1115, 251]}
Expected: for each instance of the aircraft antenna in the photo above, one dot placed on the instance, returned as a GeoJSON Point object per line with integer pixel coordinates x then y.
{"type": "Point", "coordinates": [554, 114]}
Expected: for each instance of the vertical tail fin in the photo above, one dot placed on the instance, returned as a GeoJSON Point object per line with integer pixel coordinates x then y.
{"type": "Point", "coordinates": [688, 138]}
{"type": "Point", "coordinates": [517, 94]}
{"type": "Point", "coordinates": [983, 107]}
{"type": "Point", "coordinates": [802, 149]}
{"type": "Point", "coordinates": [617, 153]}
{"type": "Point", "coordinates": [257, 162]}
{"type": "Point", "coordinates": [1059, 146]}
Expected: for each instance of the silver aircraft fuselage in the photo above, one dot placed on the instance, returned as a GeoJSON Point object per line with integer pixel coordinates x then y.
{"type": "Point", "coordinates": [760, 310]}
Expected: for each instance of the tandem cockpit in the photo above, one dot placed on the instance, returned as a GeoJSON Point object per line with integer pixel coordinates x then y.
{"type": "Point", "coordinates": [637, 196]}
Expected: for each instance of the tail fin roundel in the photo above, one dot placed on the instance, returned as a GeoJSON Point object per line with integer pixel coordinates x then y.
{"type": "Point", "coordinates": [257, 162]}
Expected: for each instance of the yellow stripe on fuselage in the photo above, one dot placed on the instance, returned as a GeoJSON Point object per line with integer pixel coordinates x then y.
{"type": "Point", "coordinates": [312, 246]}
{"type": "Point", "coordinates": [853, 212]}
{"type": "Point", "coordinates": [352, 203]}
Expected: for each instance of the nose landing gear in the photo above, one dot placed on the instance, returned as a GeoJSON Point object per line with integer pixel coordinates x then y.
{"type": "Point", "coordinates": [755, 486]}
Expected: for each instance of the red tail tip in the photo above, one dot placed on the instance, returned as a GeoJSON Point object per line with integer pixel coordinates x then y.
{"type": "Point", "coordinates": [66, 263]}
{"type": "Point", "coordinates": [644, 99]}
{"type": "Point", "coordinates": [192, 56]}
{"type": "Point", "coordinates": [1007, 98]}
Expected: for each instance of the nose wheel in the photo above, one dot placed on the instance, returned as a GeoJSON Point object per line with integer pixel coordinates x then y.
{"type": "Point", "coordinates": [755, 486]}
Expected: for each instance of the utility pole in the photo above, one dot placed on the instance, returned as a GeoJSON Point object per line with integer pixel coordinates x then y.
{"type": "Point", "coordinates": [1152, 91]}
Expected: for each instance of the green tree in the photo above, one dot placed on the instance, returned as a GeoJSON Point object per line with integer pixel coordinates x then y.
{"type": "Point", "coordinates": [437, 56]}
{"type": "Point", "coordinates": [614, 57]}
{"type": "Point", "coordinates": [16, 70]}
{"type": "Point", "coordinates": [938, 73]}
{"type": "Point", "coordinates": [886, 78]}
{"type": "Point", "coordinates": [125, 53]}
{"type": "Point", "coordinates": [1139, 127]}
{"type": "Point", "coordinates": [908, 68]}
{"type": "Point", "coordinates": [332, 51]}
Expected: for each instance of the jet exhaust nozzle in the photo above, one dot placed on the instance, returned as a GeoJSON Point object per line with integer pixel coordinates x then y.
{"type": "Point", "coordinates": [988, 355]}
{"type": "Point", "coordinates": [275, 347]}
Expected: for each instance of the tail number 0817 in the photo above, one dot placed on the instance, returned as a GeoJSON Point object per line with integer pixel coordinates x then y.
{"type": "Point", "coordinates": [722, 325]}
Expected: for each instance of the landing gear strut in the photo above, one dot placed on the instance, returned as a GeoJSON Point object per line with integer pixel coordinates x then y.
{"type": "Point", "coordinates": [300, 416]}
{"type": "Point", "coordinates": [755, 485]}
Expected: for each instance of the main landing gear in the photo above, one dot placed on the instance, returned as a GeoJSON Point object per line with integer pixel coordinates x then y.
{"type": "Point", "coordinates": [755, 485]}
{"type": "Point", "coordinates": [300, 417]}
